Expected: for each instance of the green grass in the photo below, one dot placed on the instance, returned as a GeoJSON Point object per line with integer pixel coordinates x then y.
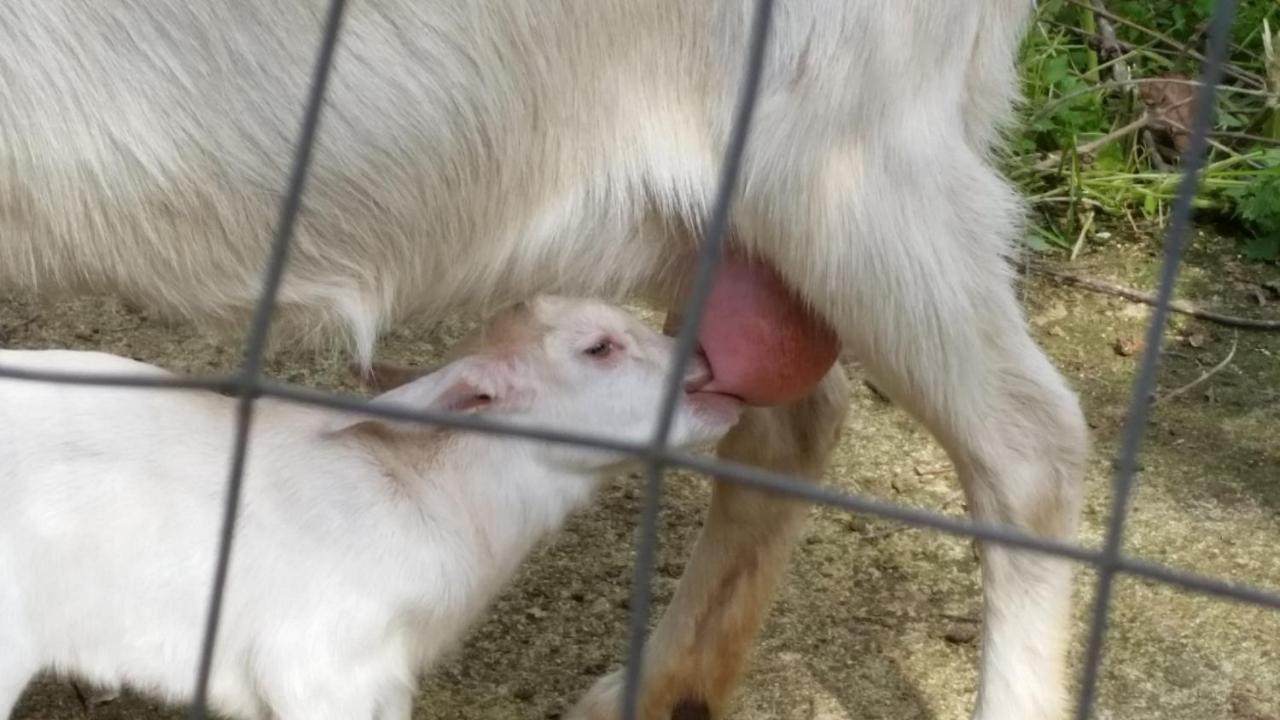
{"type": "Point", "coordinates": [1081, 155]}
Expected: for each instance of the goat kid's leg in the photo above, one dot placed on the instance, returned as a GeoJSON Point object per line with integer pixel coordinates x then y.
{"type": "Point", "coordinates": [697, 653]}
{"type": "Point", "coordinates": [14, 678]}
{"type": "Point", "coordinates": [336, 688]}
{"type": "Point", "coordinates": [16, 663]}
{"type": "Point", "coordinates": [331, 706]}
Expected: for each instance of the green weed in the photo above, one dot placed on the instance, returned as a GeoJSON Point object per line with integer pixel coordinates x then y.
{"type": "Point", "coordinates": [1105, 120]}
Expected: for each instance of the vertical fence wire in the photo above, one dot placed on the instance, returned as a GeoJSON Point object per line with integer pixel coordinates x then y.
{"type": "Point", "coordinates": [1144, 385]}
{"type": "Point", "coordinates": [250, 376]}
{"type": "Point", "coordinates": [686, 343]}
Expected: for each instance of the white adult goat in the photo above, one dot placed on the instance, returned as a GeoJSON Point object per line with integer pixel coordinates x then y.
{"type": "Point", "coordinates": [478, 151]}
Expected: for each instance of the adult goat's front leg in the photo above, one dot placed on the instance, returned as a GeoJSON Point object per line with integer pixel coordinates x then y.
{"type": "Point", "coordinates": [697, 653]}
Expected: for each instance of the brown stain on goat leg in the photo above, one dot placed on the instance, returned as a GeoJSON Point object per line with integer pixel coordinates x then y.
{"type": "Point", "coordinates": [698, 652]}
{"type": "Point", "coordinates": [716, 645]}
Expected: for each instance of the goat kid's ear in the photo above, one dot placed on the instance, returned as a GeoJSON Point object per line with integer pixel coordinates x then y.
{"type": "Point", "coordinates": [460, 396]}
{"type": "Point", "coordinates": [468, 385]}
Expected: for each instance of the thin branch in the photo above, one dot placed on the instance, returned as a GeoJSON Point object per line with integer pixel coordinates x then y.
{"type": "Point", "coordinates": [1084, 230]}
{"type": "Point", "coordinates": [1178, 306]}
{"type": "Point", "coordinates": [1053, 159]}
{"type": "Point", "coordinates": [7, 331]}
{"type": "Point", "coordinates": [1153, 152]}
{"type": "Point", "coordinates": [1109, 46]}
{"type": "Point", "coordinates": [1115, 84]}
{"type": "Point", "coordinates": [1175, 125]}
{"type": "Point", "coordinates": [1248, 137]}
{"type": "Point", "coordinates": [942, 469]}
{"type": "Point", "coordinates": [1203, 376]}
{"type": "Point", "coordinates": [1087, 202]}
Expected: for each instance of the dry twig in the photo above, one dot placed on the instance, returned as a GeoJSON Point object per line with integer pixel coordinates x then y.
{"type": "Point", "coordinates": [1178, 306]}
{"type": "Point", "coordinates": [924, 471]}
{"type": "Point", "coordinates": [1203, 376]}
{"type": "Point", "coordinates": [1084, 230]}
{"type": "Point", "coordinates": [8, 332]}
{"type": "Point", "coordinates": [1109, 47]}
{"type": "Point", "coordinates": [1048, 108]}
{"type": "Point", "coordinates": [1054, 159]}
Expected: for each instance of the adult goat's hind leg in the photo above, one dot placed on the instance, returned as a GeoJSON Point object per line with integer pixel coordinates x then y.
{"type": "Point", "coordinates": [697, 653]}
{"type": "Point", "coordinates": [957, 355]}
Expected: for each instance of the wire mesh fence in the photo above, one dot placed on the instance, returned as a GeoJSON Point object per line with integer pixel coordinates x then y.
{"type": "Point", "coordinates": [249, 384]}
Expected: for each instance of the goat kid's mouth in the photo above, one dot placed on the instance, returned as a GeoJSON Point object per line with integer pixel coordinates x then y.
{"type": "Point", "coordinates": [699, 377]}
{"type": "Point", "coordinates": [757, 342]}
{"type": "Point", "coordinates": [703, 395]}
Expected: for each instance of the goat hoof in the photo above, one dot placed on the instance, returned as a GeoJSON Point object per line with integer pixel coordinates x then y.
{"type": "Point", "coordinates": [604, 702]}
{"type": "Point", "coordinates": [691, 710]}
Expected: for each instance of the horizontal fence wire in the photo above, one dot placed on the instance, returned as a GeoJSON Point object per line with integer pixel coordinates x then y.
{"type": "Point", "coordinates": [250, 386]}
{"type": "Point", "coordinates": [735, 473]}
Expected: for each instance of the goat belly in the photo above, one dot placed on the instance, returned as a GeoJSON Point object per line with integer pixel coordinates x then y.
{"type": "Point", "coordinates": [762, 343]}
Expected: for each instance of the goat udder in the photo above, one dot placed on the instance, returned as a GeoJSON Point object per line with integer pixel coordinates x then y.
{"type": "Point", "coordinates": [762, 344]}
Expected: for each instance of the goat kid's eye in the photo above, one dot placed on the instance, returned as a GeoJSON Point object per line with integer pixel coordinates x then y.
{"type": "Point", "coordinates": [601, 349]}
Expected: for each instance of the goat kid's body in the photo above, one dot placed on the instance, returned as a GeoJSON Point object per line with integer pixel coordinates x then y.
{"type": "Point", "coordinates": [473, 153]}
{"type": "Point", "coordinates": [354, 569]}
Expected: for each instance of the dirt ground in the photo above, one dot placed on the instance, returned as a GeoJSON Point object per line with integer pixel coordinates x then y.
{"type": "Point", "coordinates": [875, 620]}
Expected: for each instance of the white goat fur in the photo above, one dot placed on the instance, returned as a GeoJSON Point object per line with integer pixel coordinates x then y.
{"type": "Point", "coordinates": [476, 151]}
{"type": "Point", "coordinates": [365, 548]}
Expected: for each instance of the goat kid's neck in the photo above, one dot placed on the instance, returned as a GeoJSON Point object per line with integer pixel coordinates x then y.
{"type": "Point", "coordinates": [499, 495]}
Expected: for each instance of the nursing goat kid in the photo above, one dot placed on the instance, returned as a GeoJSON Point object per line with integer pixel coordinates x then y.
{"type": "Point", "coordinates": [367, 547]}
{"type": "Point", "coordinates": [474, 152]}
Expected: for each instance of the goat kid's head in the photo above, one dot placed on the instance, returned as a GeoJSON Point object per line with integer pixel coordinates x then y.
{"type": "Point", "coordinates": [565, 364]}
